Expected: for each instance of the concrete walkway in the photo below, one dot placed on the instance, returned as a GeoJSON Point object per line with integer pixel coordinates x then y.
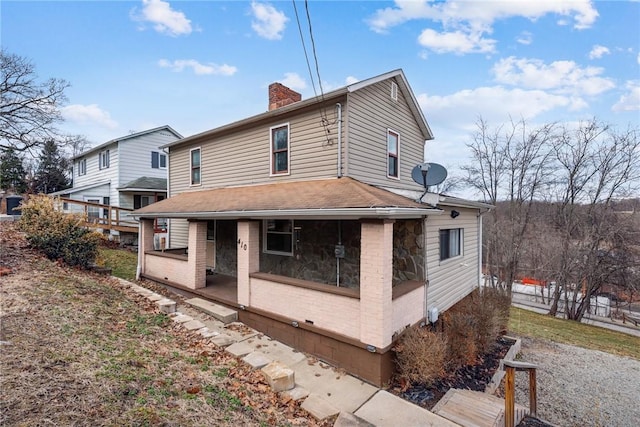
{"type": "Point", "coordinates": [324, 390]}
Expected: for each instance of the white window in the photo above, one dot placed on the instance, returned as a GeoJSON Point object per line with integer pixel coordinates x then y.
{"type": "Point", "coordinates": [158, 160]}
{"type": "Point", "coordinates": [104, 159]}
{"type": "Point", "coordinates": [195, 166]}
{"type": "Point", "coordinates": [278, 236]}
{"type": "Point", "coordinates": [393, 154]}
{"type": "Point", "coordinates": [82, 167]}
{"type": "Point", "coordinates": [450, 243]}
{"type": "Point", "coordinates": [394, 91]}
{"type": "Point", "coordinates": [280, 159]}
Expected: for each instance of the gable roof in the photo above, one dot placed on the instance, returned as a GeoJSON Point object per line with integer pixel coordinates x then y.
{"type": "Point", "coordinates": [327, 198]}
{"type": "Point", "coordinates": [403, 85]}
{"type": "Point", "coordinates": [124, 138]}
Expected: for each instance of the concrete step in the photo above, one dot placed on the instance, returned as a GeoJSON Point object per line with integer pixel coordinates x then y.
{"type": "Point", "coordinates": [223, 314]}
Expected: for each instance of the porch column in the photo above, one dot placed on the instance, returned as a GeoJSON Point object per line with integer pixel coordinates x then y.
{"type": "Point", "coordinates": [376, 274]}
{"type": "Point", "coordinates": [145, 243]}
{"type": "Point", "coordinates": [248, 257]}
{"type": "Point", "coordinates": [197, 259]}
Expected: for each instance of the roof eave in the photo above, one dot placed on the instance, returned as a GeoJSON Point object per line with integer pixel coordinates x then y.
{"type": "Point", "coordinates": [330, 213]}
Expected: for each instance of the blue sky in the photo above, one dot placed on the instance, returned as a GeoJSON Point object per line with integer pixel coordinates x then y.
{"type": "Point", "coordinates": [197, 65]}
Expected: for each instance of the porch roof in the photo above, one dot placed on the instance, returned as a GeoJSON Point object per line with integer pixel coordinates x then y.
{"type": "Point", "coordinates": [328, 198]}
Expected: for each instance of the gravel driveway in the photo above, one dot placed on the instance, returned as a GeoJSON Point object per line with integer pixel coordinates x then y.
{"type": "Point", "coordinates": [580, 387]}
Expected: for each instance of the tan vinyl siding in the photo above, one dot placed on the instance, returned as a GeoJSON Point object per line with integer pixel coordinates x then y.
{"type": "Point", "coordinates": [178, 233]}
{"type": "Point", "coordinates": [452, 279]}
{"type": "Point", "coordinates": [371, 112]}
{"type": "Point", "coordinates": [242, 158]}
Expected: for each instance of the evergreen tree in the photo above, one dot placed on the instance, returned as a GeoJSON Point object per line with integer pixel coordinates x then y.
{"type": "Point", "coordinates": [12, 173]}
{"type": "Point", "coordinates": [51, 174]}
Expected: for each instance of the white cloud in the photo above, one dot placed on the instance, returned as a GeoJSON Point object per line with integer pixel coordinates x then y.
{"type": "Point", "coordinates": [638, 59]}
{"type": "Point", "coordinates": [629, 101]}
{"type": "Point", "coordinates": [465, 22]}
{"type": "Point", "coordinates": [598, 51]}
{"type": "Point", "coordinates": [494, 103]}
{"type": "Point", "coordinates": [351, 80]}
{"type": "Point", "coordinates": [268, 22]}
{"type": "Point", "coordinates": [199, 69]}
{"type": "Point", "coordinates": [90, 114]}
{"type": "Point", "coordinates": [456, 42]}
{"type": "Point", "coordinates": [294, 81]}
{"type": "Point", "coordinates": [164, 19]}
{"type": "Point", "coordinates": [525, 38]}
{"type": "Point", "coordinates": [563, 77]}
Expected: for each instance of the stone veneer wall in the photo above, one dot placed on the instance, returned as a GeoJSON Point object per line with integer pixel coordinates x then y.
{"type": "Point", "coordinates": [314, 258]}
{"type": "Point", "coordinates": [408, 250]}
{"type": "Point", "coordinates": [227, 247]}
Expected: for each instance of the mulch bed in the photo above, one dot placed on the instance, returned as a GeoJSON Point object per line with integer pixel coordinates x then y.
{"type": "Point", "coordinates": [470, 377]}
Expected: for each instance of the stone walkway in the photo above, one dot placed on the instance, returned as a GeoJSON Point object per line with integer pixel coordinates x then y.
{"type": "Point", "coordinates": [324, 390]}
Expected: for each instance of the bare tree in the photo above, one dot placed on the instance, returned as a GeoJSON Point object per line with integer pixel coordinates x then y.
{"type": "Point", "coordinates": [595, 165]}
{"type": "Point", "coordinates": [509, 164]}
{"type": "Point", "coordinates": [29, 110]}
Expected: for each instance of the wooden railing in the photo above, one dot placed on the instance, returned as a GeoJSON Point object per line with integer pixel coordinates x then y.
{"type": "Point", "coordinates": [510, 367]}
{"type": "Point", "coordinates": [108, 217]}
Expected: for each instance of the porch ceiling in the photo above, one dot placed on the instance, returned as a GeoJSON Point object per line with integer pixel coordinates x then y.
{"type": "Point", "coordinates": [340, 198]}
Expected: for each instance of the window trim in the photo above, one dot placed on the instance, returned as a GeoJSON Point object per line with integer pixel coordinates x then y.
{"type": "Point", "coordinates": [161, 156]}
{"type": "Point", "coordinates": [460, 243]}
{"type": "Point", "coordinates": [104, 159]}
{"type": "Point", "coordinates": [82, 167]}
{"type": "Point", "coordinates": [396, 155]}
{"type": "Point", "coordinates": [191, 168]}
{"type": "Point", "coordinates": [265, 234]}
{"type": "Point", "coordinates": [272, 151]}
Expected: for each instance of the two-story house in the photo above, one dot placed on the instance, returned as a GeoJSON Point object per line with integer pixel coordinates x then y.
{"type": "Point", "coordinates": [128, 172]}
{"type": "Point", "coordinates": [306, 219]}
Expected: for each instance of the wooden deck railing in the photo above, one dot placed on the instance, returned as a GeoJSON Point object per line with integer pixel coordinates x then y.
{"type": "Point", "coordinates": [510, 367]}
{"type": "Point", "coordinates": [108, 217]}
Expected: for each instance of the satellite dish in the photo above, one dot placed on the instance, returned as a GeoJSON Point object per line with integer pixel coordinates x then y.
{"type": "Point", "coordinates": [428, 174]}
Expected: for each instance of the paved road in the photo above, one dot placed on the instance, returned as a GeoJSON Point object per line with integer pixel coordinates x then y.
{"type": "Point", "coordinates": [602, 322]}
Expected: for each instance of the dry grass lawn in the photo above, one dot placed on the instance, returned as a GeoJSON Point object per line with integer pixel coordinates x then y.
{"type": "Point", "coordinates": [77, 349]}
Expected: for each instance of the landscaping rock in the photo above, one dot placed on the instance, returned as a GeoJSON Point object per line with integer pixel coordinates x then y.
{"type": "Point", "coordinates": [279, 376]}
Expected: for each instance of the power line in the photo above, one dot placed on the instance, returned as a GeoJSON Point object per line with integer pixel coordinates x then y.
{"type": "Point", "coordinates": [304, 47]}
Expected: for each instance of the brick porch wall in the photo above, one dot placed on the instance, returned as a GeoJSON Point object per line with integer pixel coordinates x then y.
{"type": "Point", "coordinates": [145, 242]}
{"type": "Point", "coordinates": [248, 258]}
{"type": "Point", "coordinates": [376, 275]}
{"type": "Point", "coordinates": [196, 274]}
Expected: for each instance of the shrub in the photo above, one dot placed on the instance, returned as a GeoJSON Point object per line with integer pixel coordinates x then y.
{"type": "Point", "coordinates": [420, 355]}
{"type": "Point", "coordinates": [473, 325]}
{"type": "Point", "coordinates": [56, 234]}
{"type": "Point", "coordinates": [460, 330]}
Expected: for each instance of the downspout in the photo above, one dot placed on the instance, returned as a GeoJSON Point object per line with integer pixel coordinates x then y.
{"type": "Point", "coordinates": [168, 245]}
{"type": "Point", "coordinates": [479, 247]}
{"type": "Point", "coordinates": [426, 268]}
{"type": "Point", "coordinates": [140, 250]}
{"type": "Point", "coordinates": [339, 107]}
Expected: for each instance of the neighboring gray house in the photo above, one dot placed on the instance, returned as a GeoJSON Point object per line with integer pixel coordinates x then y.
{"type": "Point", "coordinates": [309, 219]}
{"type": "Point", "coordinates": [128, 172]}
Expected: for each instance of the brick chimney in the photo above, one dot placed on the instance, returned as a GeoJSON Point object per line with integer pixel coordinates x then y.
{"type": "Point", "coordinates": [280, 95]}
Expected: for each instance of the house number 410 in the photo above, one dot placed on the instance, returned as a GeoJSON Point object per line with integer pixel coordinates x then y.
{"type": "Point", "coordinates": [242, 244]}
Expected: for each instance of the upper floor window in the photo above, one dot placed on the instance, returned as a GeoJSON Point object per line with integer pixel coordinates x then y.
{"type": "Point", "coordinates": [104, 159]}
{"type": "Point", "coordinates": [393, 154]}
{"type": "Point", "coordinates": [280, 150]}
{"type": "Point", "coordinates": [450, 243]}
{"type": "Point", "coordinates": [195, 166]}
{"type": "Point", "coordinates": [82, 167]}
{"type": "Point", "coordinates": [278, 236]}
{"type": "Point", "coordinates": [158, 160]}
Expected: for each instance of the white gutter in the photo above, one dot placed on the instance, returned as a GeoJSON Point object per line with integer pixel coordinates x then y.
{"type": "Point", "coordinates": [140, 254]}
{"type": "Point", "coordinates": [337, 213]}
